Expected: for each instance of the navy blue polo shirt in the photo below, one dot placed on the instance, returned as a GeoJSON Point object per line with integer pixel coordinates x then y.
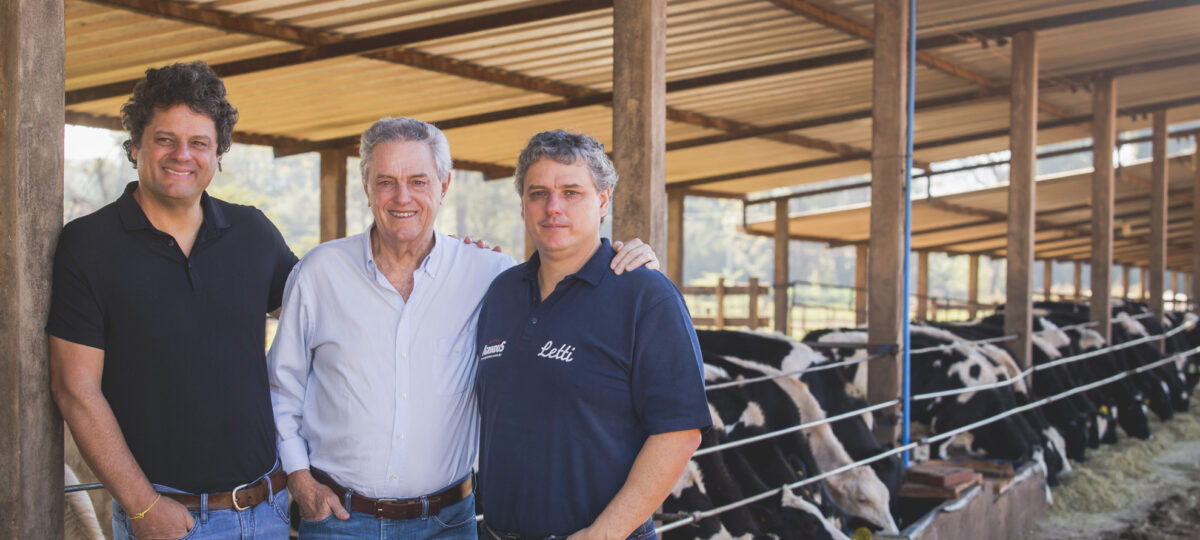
{"type": "Point", "coordinates": [570, 389]}
{"type": "Point", "coordinates": [183, 337]}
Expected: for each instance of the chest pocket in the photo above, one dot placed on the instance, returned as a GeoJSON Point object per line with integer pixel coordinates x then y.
{"type": "Point", "coordinates": [453, 368]}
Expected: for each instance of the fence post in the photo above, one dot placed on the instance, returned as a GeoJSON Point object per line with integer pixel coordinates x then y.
{"type": "Point", "coordinates": [753, 303]}
{"type": "Point", "coordinates": [720, 322]}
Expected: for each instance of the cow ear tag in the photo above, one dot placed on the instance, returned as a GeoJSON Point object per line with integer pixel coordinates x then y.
{"type": "Point", "coordinates": [862, 533]}
{"type": "Point", "coordinates": [1146, 401]}
{"type": "Point", "coordinates": [1104, 409]}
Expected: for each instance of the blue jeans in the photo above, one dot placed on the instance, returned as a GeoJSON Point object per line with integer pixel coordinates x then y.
{"type": "Point", "coordinates": [267, 521]}
{"type": "Point", "coordinates": [454, 522]}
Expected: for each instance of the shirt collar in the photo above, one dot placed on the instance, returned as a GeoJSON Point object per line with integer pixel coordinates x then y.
{"type": "Point", "coordinates": [431, 263]}
{"type": "Point", "coordinates": [592, 271]}
{"type": "Point", "coordinates": [134, 218]}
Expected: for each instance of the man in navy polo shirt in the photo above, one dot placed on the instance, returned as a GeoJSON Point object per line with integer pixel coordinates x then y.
{"type": "Point", "coordinates": [591, 390]}
{"type": "Point", "coordinates": [157, 328]}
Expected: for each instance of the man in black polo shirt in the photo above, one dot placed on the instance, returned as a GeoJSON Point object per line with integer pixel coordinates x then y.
{"type": "Point", "coordinates": [591, 387]}
{"type": "Point", "coordinates": [157, 327]}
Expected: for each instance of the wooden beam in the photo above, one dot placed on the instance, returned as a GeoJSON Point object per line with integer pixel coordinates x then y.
{"type": "Point", "coordinates": [860, 284]}
{"type": "Point", "coordinates": [922, 285]}
{"type": "Point", "coordinates": [1144, 288]}
{"type": "Point", "coordinates": [313, 53]}
{"type": "Point", "coordinates": [676, 204]}
{"type": "Point", "coordinates": [31, 213]}
{"type": "Point", "coordinates": [889, 127]}
{"type": "Point", "coordinates": [574, 95]}
{"type": "Point", "coordinates": [1158, 211]}
{"type": "Point", "coordinates": [924, 145]}
{"type": "Point", "coordinates": [333, 195]}
{"type": "Point", "coordinates": [972, 285]}
{"type": "Point", "coordinates": [1047, 277]}
{"type": "Point", "coordinates": [1104, 137]}
{"type": "Point", "coordinates": [639, 124]}
{"type": "Point", "coordinates": [113, 123]}
{"type": "Point", "coordinates": [1194, 291]}
{"type": "Point", "coordinates": [837, 21]}
{"type": "Point", "coordinates": [1078, 281]}
{"type": "Point", "coordinates": [1125, 269]}
{"type": "Point", "coordinates": [782, 302]}
{"type": "Point", "coordinates": [1081, 78]}
{"type": "Point", "coordinates": [1022, 198]}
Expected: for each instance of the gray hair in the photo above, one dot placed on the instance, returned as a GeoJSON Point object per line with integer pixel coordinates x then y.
{"type": "Point", "coordinates": [567, 148]}
{"type": "Point", "coordinates": [390, 129]}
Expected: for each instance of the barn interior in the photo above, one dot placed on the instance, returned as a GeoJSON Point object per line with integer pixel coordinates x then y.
{"type": "Point", "coordinates": [758, 101]}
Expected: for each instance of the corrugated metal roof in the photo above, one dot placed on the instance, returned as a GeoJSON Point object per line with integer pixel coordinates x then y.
{"type": "Point", "coordinates": [504, 76]}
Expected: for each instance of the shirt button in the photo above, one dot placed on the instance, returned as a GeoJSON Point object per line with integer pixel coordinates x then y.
{"type": "Point", "coordinates": [400, 436]}
{"type": "Point", "coordinates": [533, 320]}
{"type": "Point", "coordinates": [403, 355]}
{"type": "Point", "coordinates": [403, 395]}
{"type": "Point", "coordinates": [393, 477]}
{"type": "Point", "coordinates": [170, 242]}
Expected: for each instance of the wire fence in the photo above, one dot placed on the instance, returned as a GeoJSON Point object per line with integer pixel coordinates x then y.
{"type": "Point", "coordinates": [683, 519]}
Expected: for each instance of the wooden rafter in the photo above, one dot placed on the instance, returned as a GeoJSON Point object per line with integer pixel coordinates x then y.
{"type": "Point", "coordinates": [924, 145]}
{"type": "Point", "coordinates": [354, 46]}
{"type": "Point", "coordinates": [1081, 78]}
{"type": "Point", "coordinates": [854, 28]}
{"type": "Point", "coordinates": [574, 95]}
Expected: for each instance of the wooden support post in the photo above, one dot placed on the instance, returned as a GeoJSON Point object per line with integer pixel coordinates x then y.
{"type": "Point", "coordinates": [333, 194]}
{"type": "Point", "coordinates": [639, 120]}
{"type": "Point", "coordinates": [1047, 278]}
{"type": "Point", "coordinates": [675, 236]}
{"type": "Point", "coordinates": [1158, 213]}
{"type": "Point", "coordinates": [922, 285]}
{"type": "Point", "coordinates": [1194, 291]}
{"type": "Point", "coordinates": [1018, 310]}
{"type": "Point", "coordinates": [973, 286]}
{"type": "Point", "coordinates": [1125, 270]}
{"type": "Point", "coordinates": [1143, 288]}
{"type": "Point", "coordinates": [1078, 280]}
{"type": "Point", "coordinates": [888, 161]}
{"type": "Point", "coordinates": [860, 284]}
{"type": "Point", "coordinates": [752, 305]}
{"type": "Point", "coordinates": [1104, 137]}
{"type": "Point", "coordinates": [720, 303]}
{"type": "Point", "coordinates": [31, 213]}
{"type": "Point", "coordinates": [782, 305]}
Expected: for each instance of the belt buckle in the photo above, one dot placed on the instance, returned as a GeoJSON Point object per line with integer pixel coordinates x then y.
{"type": "Point", "coordinates": [379, 506]}
{"type": "Point", "coordinates": [234, 493]}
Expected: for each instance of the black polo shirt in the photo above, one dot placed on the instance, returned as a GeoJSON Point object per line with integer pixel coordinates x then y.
{"type": "Point", "coordinates": [183, 337]}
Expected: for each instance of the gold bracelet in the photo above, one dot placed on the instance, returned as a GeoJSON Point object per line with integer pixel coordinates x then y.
{"type": "Point", "coordinates": [142, 514]}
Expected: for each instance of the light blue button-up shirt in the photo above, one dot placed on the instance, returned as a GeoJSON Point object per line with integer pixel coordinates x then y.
{"type": "Point", "coordinates": [377, 391]}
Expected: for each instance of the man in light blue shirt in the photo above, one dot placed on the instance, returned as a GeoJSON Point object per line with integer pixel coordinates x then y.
{"type": "Point", "coordinates": [372, 367]}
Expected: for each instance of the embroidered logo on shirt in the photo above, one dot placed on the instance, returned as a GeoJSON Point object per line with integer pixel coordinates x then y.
{"type": "Point", "coordinates": [493, 349]}
{"type": "Point", "coordinates": [562, 352]}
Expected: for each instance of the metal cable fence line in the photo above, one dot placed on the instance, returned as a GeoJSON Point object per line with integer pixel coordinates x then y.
{"type": "Point", "coordinates": [793, 429]}
{"type": "Point", "coordinates": [697, 516]}
{"type": "Point", "coordinates": [954, 344]}
{"type": "Point", "coordinates": [797, 372]}
{"type": "Point", "coordinates": [1061, 395]}
{"type": "Point", "coordinates": [1069, 359]}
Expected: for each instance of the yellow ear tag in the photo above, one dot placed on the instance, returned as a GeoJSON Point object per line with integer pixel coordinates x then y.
{"type": "Point", "coordinates": [1104, 409]}
{"type": "Point", "coordinates": [862, 533]}
{"type": "Point", "coordinates": [1146, 401]}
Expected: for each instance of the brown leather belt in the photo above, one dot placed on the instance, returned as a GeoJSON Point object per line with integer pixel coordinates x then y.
{"type": "Point", "coordinates": [243, 497]}
{"type": "Point", "coordinates": [400, 508]}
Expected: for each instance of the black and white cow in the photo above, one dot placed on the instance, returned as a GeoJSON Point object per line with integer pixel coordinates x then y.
{"type": "Point", "coordinates": [859, 491]}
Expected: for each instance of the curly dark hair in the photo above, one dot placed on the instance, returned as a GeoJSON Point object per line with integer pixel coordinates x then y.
{"type": "Point", "coordinates": [195, 85]}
